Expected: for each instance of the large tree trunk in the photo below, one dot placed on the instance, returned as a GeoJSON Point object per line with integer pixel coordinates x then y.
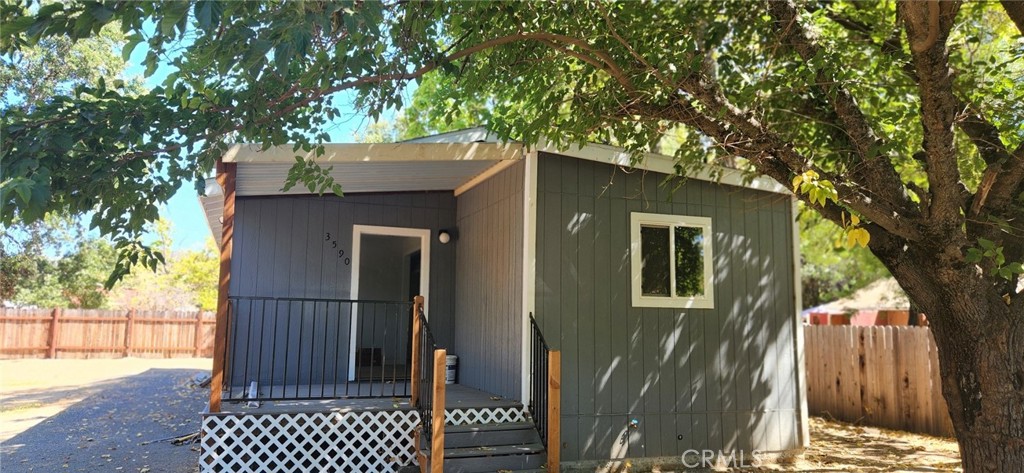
{"type": "Point", "coordinates": [980, 339]}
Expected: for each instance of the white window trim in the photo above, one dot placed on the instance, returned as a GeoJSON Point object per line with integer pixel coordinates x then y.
{"type": "Point", "coordinates": [707, 301]}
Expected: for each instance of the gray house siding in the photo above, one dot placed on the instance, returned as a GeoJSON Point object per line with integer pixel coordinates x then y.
{"type": "Point", "coordinates": [488, 284]}
{"type": "Point", "coordinates": [721, 378]}
{"type": "Point", "coordinates": [281, 249]}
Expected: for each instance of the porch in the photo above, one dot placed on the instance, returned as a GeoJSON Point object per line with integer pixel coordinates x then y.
{"type": "Point", "coordinates": [318, 418]}
{"type": "Point", "coordinates": [457, 398]}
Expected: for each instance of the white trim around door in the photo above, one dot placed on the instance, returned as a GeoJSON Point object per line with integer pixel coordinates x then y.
{"type": "Point", "coordinates": [357, 234]}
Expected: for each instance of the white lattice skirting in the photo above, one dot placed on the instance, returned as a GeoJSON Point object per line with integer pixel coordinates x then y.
{"type": "Point", "coordinates": [488, 415]}
{"type": "Point", "coordinates": [352, 442]}
{"type": "Point", "coordinates": [356, 442]}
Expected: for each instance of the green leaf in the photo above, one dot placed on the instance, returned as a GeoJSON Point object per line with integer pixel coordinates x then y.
{"type": "Point", "coordinates": [208, 13]}
{"type": "Point", "coordinates": [101, 13]}
{"type": "Point", "coordinates": [130, 43]}
{"type": "Point", "coordinates": [173, 12]}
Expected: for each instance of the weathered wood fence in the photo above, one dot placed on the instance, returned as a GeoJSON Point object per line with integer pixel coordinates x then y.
{"type": "Point", "coordinates": [884, 376]}
{"type": "Point", "coordinates": [86, 333]}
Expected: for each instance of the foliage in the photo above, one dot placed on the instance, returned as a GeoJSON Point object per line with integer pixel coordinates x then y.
{"type": "Point", "coordinates": [197, 272]}
{"type": "Point", "coordinates": [930, 161]}
{"type": "Point", "coordinates": [829, 269]}
{"type": "Point", "coordinates": [56, 264]}
{"type": "Point", "coordinates": [443, 103]}
{"type": "Point", "coordinates": [56, 65]}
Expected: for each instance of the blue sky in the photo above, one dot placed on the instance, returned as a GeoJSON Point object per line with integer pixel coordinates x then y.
{"type": "Point", "coordinates": [189, 229]}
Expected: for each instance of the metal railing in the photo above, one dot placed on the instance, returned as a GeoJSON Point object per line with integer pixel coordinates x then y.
{"type": "Point", "coordinates": [545, 393]}
{"type": "Point", "coordinates": [283, 348]}
{"type": "Point", "coordinates": [539, 350]}
{"type": "Point", "coordinates": [428, 345]}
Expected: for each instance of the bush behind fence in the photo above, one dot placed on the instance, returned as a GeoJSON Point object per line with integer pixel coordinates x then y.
{"type": "Point", "coordinates": [93, 333]}
{"type": "Point", "coordinates": [885, 376]}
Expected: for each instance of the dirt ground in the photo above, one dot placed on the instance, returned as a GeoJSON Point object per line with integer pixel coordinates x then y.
{"type": "Point", "coordinates": [34, 391]}
{"type": "Point", "coordinates": [837, 446]}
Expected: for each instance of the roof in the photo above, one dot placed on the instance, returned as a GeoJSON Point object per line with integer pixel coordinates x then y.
{"type": "Point", "coordinates": [453, 161]}
{"type": "Point", "coordinates": [882, 294]}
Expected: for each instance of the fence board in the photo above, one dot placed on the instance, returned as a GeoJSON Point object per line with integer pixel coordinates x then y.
{"type": "Point", "coordinates": [78, 333]}
{"type": "Point", "coordinates": [876, 375]}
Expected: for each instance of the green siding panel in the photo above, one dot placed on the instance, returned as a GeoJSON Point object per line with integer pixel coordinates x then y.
{"type": "Point", "coordinates": [280, 252]}
{"type": "Point", "coordinates": [488, 284]}
{"type": "Point", "coordinates": [721, 378]}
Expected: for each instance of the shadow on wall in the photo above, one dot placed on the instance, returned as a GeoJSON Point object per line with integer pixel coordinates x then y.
{"type": "Point", "coordinates": [721, 378]}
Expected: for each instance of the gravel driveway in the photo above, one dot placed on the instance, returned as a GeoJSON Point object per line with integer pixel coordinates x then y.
{"type": "Point", "coordinates": [116, 427]}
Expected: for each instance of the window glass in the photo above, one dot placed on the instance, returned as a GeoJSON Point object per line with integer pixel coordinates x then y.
{"type": "Point", "coordinates": [689, 261]}
{"type": "Point", "coordinates": [654, 249]}
{"type": "Point", "coordinates": [671, 263]}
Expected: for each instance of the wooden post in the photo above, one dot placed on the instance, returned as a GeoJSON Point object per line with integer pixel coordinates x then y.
{"type": "Point", "coordinates": [51, 344]}
{"type": "Point", "coordinates": [414, 378]}
{"type": "Point", "coordinates": [437, 415]}
{"type": "Point", "coordinates": [199, 335]}
{"type": "Point", "coordinates": [554, 445]}
{"type": "Point", "coordinates": [129, 327]}
{"type": "Point", "coordinates": [226, 179]}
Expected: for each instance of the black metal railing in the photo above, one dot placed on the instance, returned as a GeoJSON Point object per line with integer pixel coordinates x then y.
{"type": "Point", "coordinates": [539, 351]}
{"type": "Point", "coordinates": [282, 348]}
{"type": "Point", "coordinates": [426, 384]}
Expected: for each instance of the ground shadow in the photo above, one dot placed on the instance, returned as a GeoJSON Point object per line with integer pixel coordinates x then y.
{"type": "Point", "coordinates": [119, 427]}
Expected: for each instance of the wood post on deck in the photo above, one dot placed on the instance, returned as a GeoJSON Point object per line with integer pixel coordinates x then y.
{"type": "Point", "coordinates": [554, 439]}
{"type": "Point", "coordinates": [437, 415]}
{"type": "Point", "coordinates": [417, 352]}
{"type": "Point", "coordinates": [226, 179]}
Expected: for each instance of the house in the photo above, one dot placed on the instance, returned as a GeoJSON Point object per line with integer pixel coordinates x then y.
{"type": "Point", "coordinates": [598, 313]}
{"type": "Point", "coordinates": [882, 302]}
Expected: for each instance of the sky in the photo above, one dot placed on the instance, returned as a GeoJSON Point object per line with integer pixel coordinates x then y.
{"type": "Point", "coordinates": [189, 230]}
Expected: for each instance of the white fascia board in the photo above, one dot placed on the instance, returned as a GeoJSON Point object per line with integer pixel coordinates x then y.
{"type": "Point", "coordinates": [662, 164]}
{"type": "Point", "coordinates": [377, 152]}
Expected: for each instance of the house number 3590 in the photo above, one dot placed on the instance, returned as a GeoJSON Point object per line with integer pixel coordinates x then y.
{"type": "Point", "coordinates": [334, 245]}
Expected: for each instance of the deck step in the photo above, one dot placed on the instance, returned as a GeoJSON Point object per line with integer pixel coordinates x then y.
{"type": "Point", "coordinates": [490, 435]}
{"type": "Point", "coordinates": [506, 462]}
{"type": "Point", "coordinates": [496, 451]}
{"type": "Point", "coordinates": [488, 427]}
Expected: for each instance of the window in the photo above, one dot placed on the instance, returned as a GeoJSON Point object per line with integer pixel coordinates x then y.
{"type": "Point", "coordinates": [671, 261]}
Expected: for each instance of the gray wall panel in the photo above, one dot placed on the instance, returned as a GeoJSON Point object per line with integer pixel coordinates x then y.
{"type": "Point", "coordinates": [488, 284]}
{"type": "Point", "coordinates": [722, 378]}
{"type": "Point", "coordinates": [281, 250]}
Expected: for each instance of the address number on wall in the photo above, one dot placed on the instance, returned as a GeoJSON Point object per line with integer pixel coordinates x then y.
{"type": "Point", "coordinates": [334, 245]}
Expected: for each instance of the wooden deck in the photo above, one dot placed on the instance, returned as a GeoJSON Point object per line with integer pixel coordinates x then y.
{"type": "Point", "coordinates": [457, 397]}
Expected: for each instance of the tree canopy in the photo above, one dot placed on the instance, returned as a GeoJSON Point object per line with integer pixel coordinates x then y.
{"type": "Point", "coordinates": [902, 122]}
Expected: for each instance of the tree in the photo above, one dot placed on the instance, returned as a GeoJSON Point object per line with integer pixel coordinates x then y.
{"type": "Point", "coordinates": [30, 252]}
{"type": "Point", "coordinates": [900, 122]}
{"type": "Point", "coordinates": [829, 269]}
{"type": "Point", "coordinates": [54, 262]}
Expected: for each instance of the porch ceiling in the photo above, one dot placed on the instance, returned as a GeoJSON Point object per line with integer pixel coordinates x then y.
{"type": "Point", "coordinates": [393, 176]}
{"type": "Point", "coordinates": [360, 168]}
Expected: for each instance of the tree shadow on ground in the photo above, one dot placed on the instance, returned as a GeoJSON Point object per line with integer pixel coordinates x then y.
{"type": "Point", "coordinates": [119, 427]}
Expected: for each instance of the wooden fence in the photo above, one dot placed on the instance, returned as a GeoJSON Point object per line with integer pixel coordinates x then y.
{"type": "Point", "coordinates": [85, 333]}
{"type": "Point", "coordinates": [883, 376]}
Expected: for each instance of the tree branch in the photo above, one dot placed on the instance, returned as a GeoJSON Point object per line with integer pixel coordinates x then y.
{"type": "Point", "coordinates": [938, 103]}
{"type": "Point", "coordinates": [876, 174]}
{"type": "Point", "coordinates": [1002, 174]}
{"type": "Point", "coordinates": [1015, 10]}
{"type": "Point", "coordinates": [609, 65]}
{"type": "Point", "coordinates": [770, 154]}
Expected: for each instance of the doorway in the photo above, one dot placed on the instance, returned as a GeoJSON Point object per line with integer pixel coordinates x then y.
{"type": "Point", "coordinates": [389, 265]}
